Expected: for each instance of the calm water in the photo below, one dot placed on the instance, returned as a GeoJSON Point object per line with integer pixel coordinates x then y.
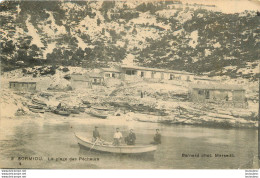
{"type": "Point", "coordinates": [51, 136]}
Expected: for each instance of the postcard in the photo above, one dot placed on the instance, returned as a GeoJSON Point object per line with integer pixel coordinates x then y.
{"type": "Point", "coordinates": [129, 84]}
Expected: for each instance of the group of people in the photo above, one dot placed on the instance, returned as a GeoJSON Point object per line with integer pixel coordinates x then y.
{"type": "Point", "coordinates": [129, 139]}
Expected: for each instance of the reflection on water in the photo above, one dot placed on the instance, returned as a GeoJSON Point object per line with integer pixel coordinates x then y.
{"type": "Point", "coordinates": [52, 137]}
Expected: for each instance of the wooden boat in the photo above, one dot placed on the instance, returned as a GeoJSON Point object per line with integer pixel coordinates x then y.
{"type": "Point", "coordinates": [98, 114]}
{"type": "Point", "coordinates": [101, 108]}
{"type": "Point", "coordinates": [35, 106]}
{"type": "Point", "coordinates": [38, 102]}
{"type": "Point", "coordinates": [62, 112]}
{"type": "Point", "coordinates": [81, 109]}
{"type": "Point", "coordinates": [74, 111]}
{"type": "Point", "coordinates": [35, 110]}
{"type": "Point", "coordinates": [86, 102]}
{"type": "Point", "coordinates": [122, 149]}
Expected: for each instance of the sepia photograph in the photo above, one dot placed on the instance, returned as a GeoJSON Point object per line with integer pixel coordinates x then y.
{"type": "Point", "coordinates": [129, 84]}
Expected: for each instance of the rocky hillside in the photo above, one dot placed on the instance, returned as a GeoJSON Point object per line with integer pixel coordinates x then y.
{"type": "Point", "coordinates": [172, 35]}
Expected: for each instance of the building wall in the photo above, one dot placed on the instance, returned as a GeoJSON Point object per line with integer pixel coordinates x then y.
{"type": "Point", "coordinates": [160, 75]}
{"type": "Point", "coordinates": [77, 84]}
{"type": "Point", "coordinates": [111, 75]}
{"type": "Point", "coordinates": [22, 86]}
{"type": "Point", "coordinates": [239, 96]}
{"type": "Point", "coordinates": [96, 81]}
{"type": "Point", "coordinates": [200, 95]}
{"type": "Point", "coordinates": [148, 74]}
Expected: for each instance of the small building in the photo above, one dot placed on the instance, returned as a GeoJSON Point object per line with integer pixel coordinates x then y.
{"type": "Point", "coordinates": [22, 86]}
{"type": "Point", "coordinates": [153, 73]}
{"type": "Point", "coordinates": [95, 78]}
{"type": "Point", "coordinates": [79, 81]}
{"type": "Point", "coordinates": [218, 93]}
{"type": "Point", "coordinates": [110, 73]}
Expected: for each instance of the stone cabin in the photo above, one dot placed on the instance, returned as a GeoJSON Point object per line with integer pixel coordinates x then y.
{"type": "Point", "coordinates": [79, 81]}
{"type": "Point", "coordinates": [110, 73]}
{"type": "Point", "coordinates": [218, 93]}
{"type": "Point", "coordinates": [153, 73]}
{"type": "Point", "coordinates": [22, 86]}
{"type": "Point", "coordinates": [95, 78]}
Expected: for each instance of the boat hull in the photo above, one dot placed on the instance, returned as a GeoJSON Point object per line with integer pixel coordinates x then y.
{"type": "Point", "coordinates": [62, 113]}
{"type": "Point", "coordinates": [38, 102]}
{"type": "Point", "coordinates": [97, 114]}
{"type": "Point", "coordinates": [124, 149]}
{"type": "Point", "coordinates": [36, 110]}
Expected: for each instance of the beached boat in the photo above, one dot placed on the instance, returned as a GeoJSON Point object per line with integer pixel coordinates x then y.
{"type": "Point", "coordinates": [35, 106]}
{"type": "Point", "coordinates": [108, 147]}
{"type": "Point", "coordinates": [62, 112]}
{"type": "Point", "coordinates": [86, 102]}
{"type": "Point", "coordinates": [74, 111]}
{"type": "Point", "coordinates": [38, 102]}
{"type": "Point", "coordinates": [37, 110]}
{"type": "Point", "coordinates": [102, 108]}
{"type": "Point", "coordinates": [81, 109]}
{"type": "Point", "coordinates": [98, 114]}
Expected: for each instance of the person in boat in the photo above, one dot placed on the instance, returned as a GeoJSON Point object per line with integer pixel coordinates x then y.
{"type": "Point", "coordinates": [96, 134]}
{"type": "Point", "coordinates": [157, 138]}
{"type": "Point", "coordinates": [59, 106]}
{"type": "Point", "coordinates": [130, 139]}
{"type": "Point", "coordinates": [96, 137]}
{"type": "Point", "coordinates": [117, 137]}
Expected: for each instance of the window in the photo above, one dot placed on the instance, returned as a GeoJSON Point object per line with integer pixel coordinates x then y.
{"type": "Point", "coordinates": [128, 72]}
{"type": "Point", "coordinates": [200, 92]}
{"type": "Point", "coordinates": [207, 94]}
{"type": "Point", "coordinates": [134, 72]}
{"type": "Point", "coordinates": [171, 76]}
{"type": "Point", "coordinates": [113, 75]}
{"type": "Point", "coordinates": [107, 75]}
{"type": "Point", "coordinates": [230, 96]}
{"type": "Point", "coordinates": [142, 74]}
{"type": "Point", "coordinates": [152, 74]}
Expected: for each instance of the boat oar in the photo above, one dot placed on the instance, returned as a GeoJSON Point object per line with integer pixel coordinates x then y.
{"type": "Point", "coordinates": [93, 145]}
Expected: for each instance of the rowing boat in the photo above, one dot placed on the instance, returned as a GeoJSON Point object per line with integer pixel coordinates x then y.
{"type": "Point", "coordinates": [60, 112]}
{"type": "Point", "coordinates": [98, 114]}
{"type": "Point", "coordinates": [38, 102]}
{"type": "Point", "coordinates": [36, 110]}
{"type": "Point", "coordinates": [109, 148]}
{"type": "Point", "coordinates": [101, 108]}
{"type": "Point", "coordinates": [35, 106]}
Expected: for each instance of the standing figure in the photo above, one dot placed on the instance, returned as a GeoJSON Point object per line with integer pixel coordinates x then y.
{"type": "Point", "coordinates": [157, 138]}
{"type": "Point", "coordinates": [130, 139]}
{"type": "Point", "coordinates": [96, 135]}
{"type": "Point", "coordinates": [117, 137]}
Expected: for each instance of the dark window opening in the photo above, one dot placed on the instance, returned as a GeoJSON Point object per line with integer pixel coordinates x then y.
{"type": "Point", "coordinates": [200, 92]}
{"type": "Point", "coordinates": [207, 94]}
{"type": "Point", "coordinates": [171, 76]}
{"type": "Point", "coordinates": [142, 74]}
